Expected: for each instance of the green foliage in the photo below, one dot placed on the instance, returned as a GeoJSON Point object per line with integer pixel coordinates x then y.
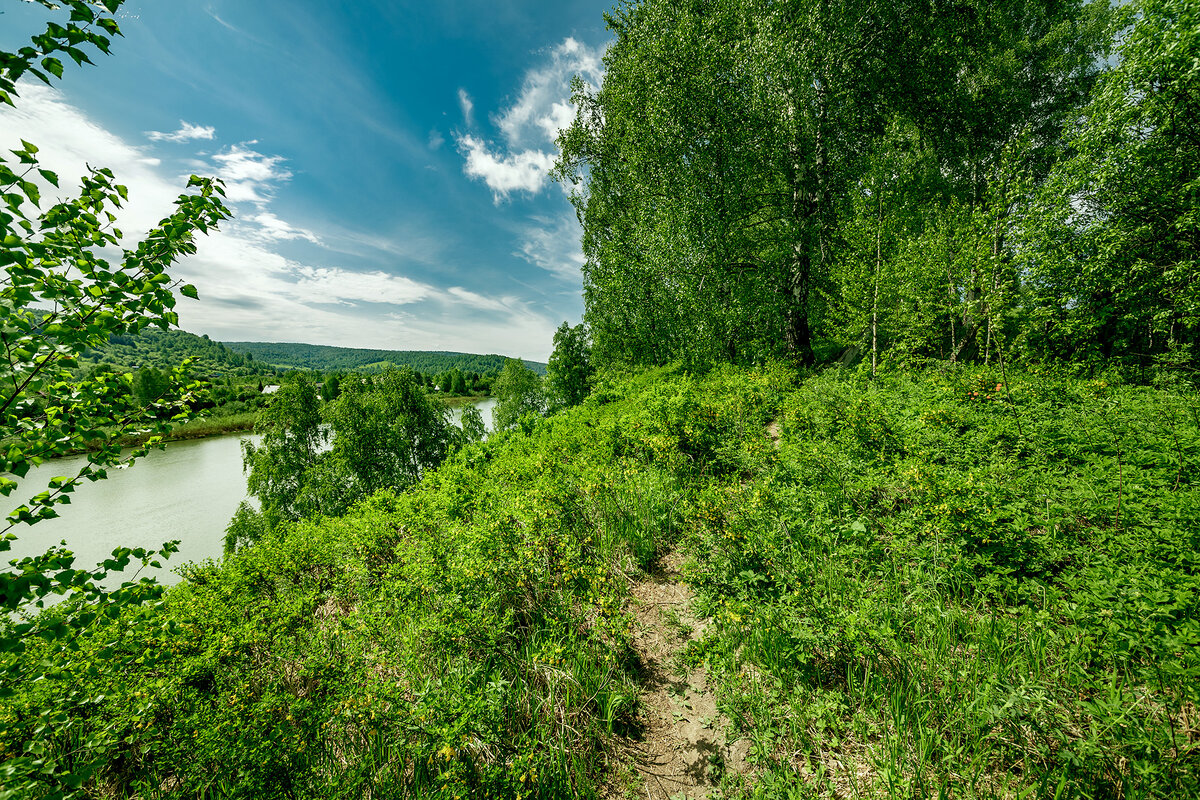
{"type": "Point", "coordinates": [957, 580]}
{"type": "Point", "coordinates": [149, 385]}
{"type": "Point", "coordinates": [383, 432]}
{"type": "Point", "coordinates": [324, 358]}
{"type": "Point", "coordinates": [978, 587]}
{"type": "Point", "coordinates": [569, 372]}
{"type": "Point", "coordinates": [280, 466]}
{"type": "Point", "coordinates": [519, 395]}
{"type": "Point", "coordinates": [331, 388]}
{"type": "Point", "coordinates": [946, 583]}
{"type": "Point", "coordinates": [465, 638]}
{"type": "Point", "coordinates": [758, 179]}
{"type": "Point", "coordinates": [61, 297]}
{"type": "Point", "coordinates": [387, 432]}
{"type": "Point", "coordinates": [161, 349]}
{"type": "Point", "coordinates": [1116, 231]}
{"type": "Point", "coordinates": [472, 425]}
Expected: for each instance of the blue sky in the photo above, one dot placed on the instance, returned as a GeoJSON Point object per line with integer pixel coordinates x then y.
{"type": "Point", "coordinates": [386, 160]}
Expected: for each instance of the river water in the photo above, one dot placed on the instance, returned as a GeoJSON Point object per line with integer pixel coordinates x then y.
{"type": "Point", "coordinates": [187, 492]}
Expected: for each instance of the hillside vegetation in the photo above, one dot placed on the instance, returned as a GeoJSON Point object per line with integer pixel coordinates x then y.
{"type": "Point", "coordinates": [165, 350]}
{"type": "Point", "coordinates": [323, 358]}
{"type": "Point", "coordinates": [226, 388]}
{"type": "Point", "coordinates": [889, 351]}
{"type": "Point", "coordinates": [938, 583]}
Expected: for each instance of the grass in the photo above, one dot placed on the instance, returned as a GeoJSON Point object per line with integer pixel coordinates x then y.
{"type": "Point", "coordinates": [215, 426]}
{"type": "Point", "coordinates": [927, 586]}
{"type": "Point", "coordinates": [946, 586]}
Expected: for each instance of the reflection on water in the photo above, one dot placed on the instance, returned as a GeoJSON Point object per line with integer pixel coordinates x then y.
{"type": "Point", "coordinates": [485, 408]}
{"type": "Point", "coordinates": [187, 492]}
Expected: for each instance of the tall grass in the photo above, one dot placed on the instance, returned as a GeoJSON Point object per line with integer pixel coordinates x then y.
{"type": "Point", "coordinates": [951, 587]}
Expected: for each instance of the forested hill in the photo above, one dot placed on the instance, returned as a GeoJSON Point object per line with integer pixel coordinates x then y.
{"type": "Point", "coordinates": [165, 350]}
{"type": "Point", "coordinates": [325, 358]}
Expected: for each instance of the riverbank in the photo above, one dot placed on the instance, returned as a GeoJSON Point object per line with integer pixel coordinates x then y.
{"type": "Point", "coordinates": [239, 423]}
{"type": "Point", "coordinates": [464, 400]}
{"type": "Point", "coordinates": [201, 428]}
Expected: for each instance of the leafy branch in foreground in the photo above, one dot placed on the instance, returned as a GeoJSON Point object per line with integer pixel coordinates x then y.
{"type": "Point", "coordinates": [63, 292]}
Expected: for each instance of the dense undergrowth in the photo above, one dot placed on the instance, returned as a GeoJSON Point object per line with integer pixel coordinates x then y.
{"type": "Point", "coordinates": [943, 584]}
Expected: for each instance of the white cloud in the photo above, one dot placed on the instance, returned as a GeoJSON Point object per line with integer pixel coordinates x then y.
{"type": "Point", "coordinates": [467, 106]}
{"type": "Point", "coordinates": [249, 175]}
{"type": "Point", "coordinates": [249, 290]}
{"type": "Point", "coordinates": [543, 107]}
{"type": "Point", "coordinates": [70, 141]}
{"type": "Point", "coordinates": [410, 241]}
{"type": "Point", "coordinates": [325, 284]}
{"type": "Point", "coordinates": [187, 132]}
{"type": "Point", "coordinates": [560, 117]}
{"type": "Point", "coordinates": [553, 245]}
{"type": "Point", "coordinates": [436, 140]}
{"type": "Point", "coordinates": [526, 171]}
{"type": "Point", "coordinates": [272, 227]}
{"type": "Point", "coordinates": [476, 300]}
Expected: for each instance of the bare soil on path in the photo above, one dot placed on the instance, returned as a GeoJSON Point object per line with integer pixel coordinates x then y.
{"type": "Point", "coordinates": [680, 749]}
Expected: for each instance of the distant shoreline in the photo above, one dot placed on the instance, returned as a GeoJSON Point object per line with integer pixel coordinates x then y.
{"type": "Point", "coordinates": [464, 400]}
{"type": "Point", "coordinates": [206, 427]}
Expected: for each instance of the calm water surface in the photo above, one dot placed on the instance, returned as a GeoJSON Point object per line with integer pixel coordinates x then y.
{"type": "Point", "coordinates": [187, 492]}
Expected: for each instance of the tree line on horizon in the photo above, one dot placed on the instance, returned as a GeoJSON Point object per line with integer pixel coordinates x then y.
{"type": "Point", "coordinates": [327, 358]}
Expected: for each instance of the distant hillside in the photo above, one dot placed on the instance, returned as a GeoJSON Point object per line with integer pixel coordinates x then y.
{"type": "Point", "coordinates": [327, 359]}
{"type": "Point", "coordinates": [167, 349]}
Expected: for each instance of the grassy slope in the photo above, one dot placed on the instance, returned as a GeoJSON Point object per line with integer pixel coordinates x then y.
{"type": "Point", "coordinates": [922, 587]}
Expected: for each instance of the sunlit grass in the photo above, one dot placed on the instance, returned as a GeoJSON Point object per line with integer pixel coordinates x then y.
{"type": "Point", "coordinates": [909, 594]}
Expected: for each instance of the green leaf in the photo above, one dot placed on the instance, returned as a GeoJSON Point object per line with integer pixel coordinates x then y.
{"type": "Point", "coordinates": [81, 13]}
{"type": "Point", "coordinates": [53, 66]}
{"type": "Point", "coordinates": [188, 290]}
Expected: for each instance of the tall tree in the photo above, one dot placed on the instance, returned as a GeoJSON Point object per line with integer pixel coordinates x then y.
{"type": "Point", "coordinates": [1114, 239]}
{"type": "Point", "coordinates": [569, 372]}
{"type": "Point", "coordinates": [519, 393]}
{"type": "Point", "coordinates": [292, 441]}
{"type": "Point", "coordinates": [388, 432]}
{"type": "Point", "coordinates": [717, 165]}
{"type": "Point", "coordinates": [382, 433]}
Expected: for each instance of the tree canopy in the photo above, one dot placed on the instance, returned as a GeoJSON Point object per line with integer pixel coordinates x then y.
{"type": "Point", "coordinates": [822, 179]}
{"type": "Point", "coordinates": [569, 372]}
{"type": "Point", "coordinates": [379, 432]}
{"type": "Point", "coordinates": [519, 394]}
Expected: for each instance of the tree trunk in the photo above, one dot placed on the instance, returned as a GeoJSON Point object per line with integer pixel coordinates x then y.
{"type": "Point", "coordinates": [798, 335]}
{"type": "Point", "coordinates": [875, 295]}
{"type": "Point", "coordinates": [806, 212]}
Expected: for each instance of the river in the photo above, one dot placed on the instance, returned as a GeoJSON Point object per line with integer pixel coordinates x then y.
{"type": "Point", "coordinates": [187, 492]}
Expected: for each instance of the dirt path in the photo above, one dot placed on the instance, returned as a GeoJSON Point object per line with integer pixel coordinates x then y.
{"type": "Point", "coordinates": [682, 749]}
